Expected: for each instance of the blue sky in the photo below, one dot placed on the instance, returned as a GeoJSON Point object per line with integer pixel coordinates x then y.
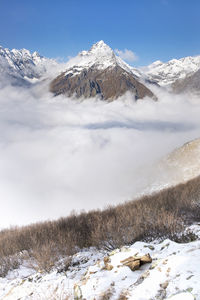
{"type": "Point", "coordinates": [153, 29]}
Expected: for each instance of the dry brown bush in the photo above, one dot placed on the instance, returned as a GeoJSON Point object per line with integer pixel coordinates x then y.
{"type": "Point", "coordinates": [161, 215]}
{"type": "Point", "coordinates": [8, 263]}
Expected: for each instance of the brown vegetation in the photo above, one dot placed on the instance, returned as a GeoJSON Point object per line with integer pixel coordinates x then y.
{"type": "Point", "coordinates": [160, 215]}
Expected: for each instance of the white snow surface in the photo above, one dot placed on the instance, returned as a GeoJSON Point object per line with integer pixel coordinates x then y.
{"type": "Point", "coordinates": [168, 72]}
{"type": "Point", "coordinates": [23, 65]}
{"type": "Point", "coordinates": [173, 274]}
{"type": "Point", "coordinates": [100, 56]}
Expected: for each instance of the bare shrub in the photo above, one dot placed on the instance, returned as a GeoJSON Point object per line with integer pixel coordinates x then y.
{"type": "Point", "coordinates": [160, 215]}
{"type": "Point", "coordinates": [8, 263]}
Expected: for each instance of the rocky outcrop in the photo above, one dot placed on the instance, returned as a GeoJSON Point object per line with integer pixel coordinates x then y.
{"type": "Point", "coordinates": [108, 84]}
{"type": "Point", "coordinates": [134, 262]}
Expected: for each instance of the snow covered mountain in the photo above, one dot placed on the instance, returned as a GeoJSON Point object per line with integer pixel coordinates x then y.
{"type": "Point", "coordinates": [99, 72]}
{"type": "Point", "coordinates": [101, 56]}
{"type": "Point", "coordinates": [20, 67]}
{"type": "Point", "coordinates": [167, 73]}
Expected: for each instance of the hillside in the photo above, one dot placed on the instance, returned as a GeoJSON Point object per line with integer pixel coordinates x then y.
{"type": "Point", "coordinates": [49, 254]}
{"type": "Point", "coordinates": [173, 274]}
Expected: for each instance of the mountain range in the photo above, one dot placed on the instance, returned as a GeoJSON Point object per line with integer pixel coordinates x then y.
{"type": "Point", "coordinates": [20, 67]}
{"type": "Point", "coordinates": [148, 248]}
{"type": "Point", "coordinates": [98, 72]}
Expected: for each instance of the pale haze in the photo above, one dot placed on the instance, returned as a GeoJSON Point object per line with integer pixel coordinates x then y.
{"type": "Point", "coordinates": [59, 154]}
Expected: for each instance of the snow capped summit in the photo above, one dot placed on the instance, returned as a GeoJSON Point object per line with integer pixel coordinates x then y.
{"type": "Point", "coordinates": [167, 73]}
{"type": "Point", "coordinates": [101, 47]}
{"type": "Point", "coordinates": [99, 71]}
{"type": "Point", "coordinates": [100, 56]}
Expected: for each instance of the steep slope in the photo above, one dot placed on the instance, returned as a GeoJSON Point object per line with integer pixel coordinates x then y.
{"type": "Point", "coordinates": [173, 274]}
{"type": "Point", "coordinates": [184, 162]}
{"type": "Point", "coordinates": [189, 84]}
{"type": "Point", "coordinates": [167, 73]}
{"type": "Point", "coordinates": [99, 72]}
{"type": "Point", "coordinates": [20, 67]}
{"type": "Point", "coordinates": [179, 166]}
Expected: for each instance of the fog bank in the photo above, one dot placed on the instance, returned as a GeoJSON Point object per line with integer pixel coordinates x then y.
{"type": "Point", "coordinates": [59, 154]}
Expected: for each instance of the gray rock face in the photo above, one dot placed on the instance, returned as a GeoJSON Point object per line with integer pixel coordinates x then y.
{"type": "Point", "coordinates": [190, 84]}
{"type": "Point", "coordinates": [108, 84]}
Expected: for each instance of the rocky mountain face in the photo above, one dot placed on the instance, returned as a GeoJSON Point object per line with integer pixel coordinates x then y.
{"type": "Point", "coordinates": [99, 72]}
{"type": "Point", "coordinates": [166, 74]}
{"type": "Point", "coordinates": [20, 67]}
{"type": "Point", "coordinates": [189, 84]}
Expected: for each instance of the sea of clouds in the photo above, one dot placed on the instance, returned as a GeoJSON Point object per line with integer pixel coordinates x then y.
{"type": "Point", "coordinates": [59, 154]}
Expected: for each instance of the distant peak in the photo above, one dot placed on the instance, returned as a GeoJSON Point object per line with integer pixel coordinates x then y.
{"type": "Point", "coordinates": [99, 46]}
{"type": "Point", "coordinates": [157, 62]}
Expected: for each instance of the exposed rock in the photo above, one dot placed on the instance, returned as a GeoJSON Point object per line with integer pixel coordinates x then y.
{"type": "Point", "coordinates": [164, 285]}
{"type": "Point", "coordinates": [145, 259]}
{"type": "Point", "coordinates": [190, 84]}
{"type": "Point", "coordinates": [106, 259]}
{"type": "Point", "coordinates": [108, 84]}
{"type": "Point", "coordinates": [107, 264]}
{"type": "Point", "coordinates": [134, 262]}
{"type": "Point", "coordinates": [108, 267]}
{"type": "Point", "coordinates": [99, 72]}
{"type": "Point", "coordinates": [150, 247]}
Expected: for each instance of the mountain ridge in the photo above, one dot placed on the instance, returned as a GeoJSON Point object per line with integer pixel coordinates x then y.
{"type": "Point", "coordinates": [23, 68]}
{"type": "Point", "coordinates": [166, 73]}
{"type": "Point", "coordinates": [99, 72]}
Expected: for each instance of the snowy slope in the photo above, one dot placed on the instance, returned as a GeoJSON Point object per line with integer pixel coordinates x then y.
{"type": "Point", "coordinates": [173, 274]}
{"type": "Point", "coordinates": [100, 56]}
{"type": "Point", "coordinates": [167, 73]}
{"type": "Point", "coordinates": [21, 66]}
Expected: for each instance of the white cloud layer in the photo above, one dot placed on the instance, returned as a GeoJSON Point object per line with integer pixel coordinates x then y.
{"type": "Point", "coordinates": [58, 154]}
{"type": "Point", "coordinates": [127, 55]}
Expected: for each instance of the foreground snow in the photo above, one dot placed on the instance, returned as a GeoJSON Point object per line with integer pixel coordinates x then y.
{"type": "Point", "coordinates": [173, 274]}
